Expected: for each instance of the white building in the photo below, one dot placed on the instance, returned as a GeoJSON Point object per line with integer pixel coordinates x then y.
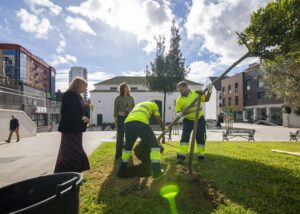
{"type": "Point", "coordinates": [78, 72]}
{"type": "Point", "coordinates": [102, 98]}
{"type": "Point", "coordinates": [212, 108]}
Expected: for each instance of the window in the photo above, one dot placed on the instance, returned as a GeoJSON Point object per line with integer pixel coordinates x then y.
{"type": "Point", "coordinates": [248, 96]}
{"type": "Point", "coordinates": [113, 88]}
{"type": "Point", "coordinates": [261, 95]}
{"type": "Point", "coordinates": [54, 118]}
{"type": "Point", "coordinates": [229, 101]}
{"type": "Point", "coordinates": [248, 85]}
{"type": "Point", "coordinates": [39, 119]}
{"type": "Point", "coordinates": [236, 100]}
{"type": "Point", "coordinates": [229, 89]}
{"type": "Point", "coordinates": [261, 84]}
{"type": "Point", "coordinates": [223, 102]}
{"type": "Point", "coordinates": [236, 86]}
{"type": "Point", "coordinates": [220, 97]}
{"type": "Point", "coordinates": [223, 90]}
{"type": "Point", "coordinates": [220, 105]}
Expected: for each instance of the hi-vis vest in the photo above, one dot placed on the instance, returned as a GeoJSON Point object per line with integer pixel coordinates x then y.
{"type": "Point", "coordinates": [142, 112]}
{"type": "Point", "coordinates": [182, 102]}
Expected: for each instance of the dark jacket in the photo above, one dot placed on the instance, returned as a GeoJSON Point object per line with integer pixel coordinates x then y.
{"type": "Point", "coordinates": [14, 123]}
{"type": "Point", "coordinates": [72, 110]}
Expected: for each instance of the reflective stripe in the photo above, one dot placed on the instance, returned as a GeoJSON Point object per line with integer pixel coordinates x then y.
{"type": "Point", "coordinates": [155, 154]}
{"type": "Point", "coordinates": [155, 111]}
{"type": "Point", "coordinates": [184, 143]}
{"type": "Point", "coordinates": [126, 155]}
{"type": "Point", "coordinates": [144, 106]}
{"type": "Point", "coordinates": [201, 149]}
{"type": "Point", "coordinates": [183, 148]}
{"type": "Point", "coordinates": [140, 111]}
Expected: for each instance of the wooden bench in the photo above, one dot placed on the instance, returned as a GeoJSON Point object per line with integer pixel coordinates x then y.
{"type": "Point", "coordinates": [295, 136]}
{"type": "Point", "coordinates": [239, 132]}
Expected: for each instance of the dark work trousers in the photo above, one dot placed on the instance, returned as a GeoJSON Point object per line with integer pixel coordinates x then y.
{"type": "Point", "coordinates": [136, 129]}
{"type": "Point", "coordinates": [186, 133]}
{"type": "Point", "coordinates": [120, 136]}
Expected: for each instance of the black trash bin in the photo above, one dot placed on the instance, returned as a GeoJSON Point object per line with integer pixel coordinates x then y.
{"type": "Point", "coordinates": [56, 193]}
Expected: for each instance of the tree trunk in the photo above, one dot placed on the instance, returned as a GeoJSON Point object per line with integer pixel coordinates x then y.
{"type": "Point", "coordinates": [164, 113]}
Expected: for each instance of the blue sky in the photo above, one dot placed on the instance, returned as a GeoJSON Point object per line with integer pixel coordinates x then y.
{"type": "Point", "coordinates": [116, 37]}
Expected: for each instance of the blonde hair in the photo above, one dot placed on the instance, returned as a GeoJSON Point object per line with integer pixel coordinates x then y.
{"type": "Point", "coordinates": [76, 83]}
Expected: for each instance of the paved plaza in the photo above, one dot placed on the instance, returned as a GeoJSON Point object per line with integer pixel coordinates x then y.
{"type": "Point", "coordinates": [35, 156]}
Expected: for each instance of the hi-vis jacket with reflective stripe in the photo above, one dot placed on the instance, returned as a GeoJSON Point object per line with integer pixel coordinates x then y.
{"type": "Point", "coordinates": [142, 112]}
{"type": "Point", "coordinates": [182, 102]}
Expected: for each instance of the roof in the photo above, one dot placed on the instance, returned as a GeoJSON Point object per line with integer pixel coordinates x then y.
{"type": "Point", "coordinates": [217, 84]}
{"type": "Point", "coordinates": [133, 80]}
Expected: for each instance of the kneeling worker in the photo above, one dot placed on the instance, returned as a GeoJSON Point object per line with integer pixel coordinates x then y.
{"type": "Point", "coordinates": [182, 102]}
{"type": "Point", "coordinates": [137, 125]}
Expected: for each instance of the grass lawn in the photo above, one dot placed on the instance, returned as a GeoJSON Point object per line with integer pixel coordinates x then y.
{"type": "Point", "coordinates": [237, 177]}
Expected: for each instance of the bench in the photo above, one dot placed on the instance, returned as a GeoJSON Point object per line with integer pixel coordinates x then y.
{"type": "Point", "coordinates": [239, 132]}
{"type": "Point", "coordinates": [156, 128]}
{"type": "Point", "coordinates": [295, 136]}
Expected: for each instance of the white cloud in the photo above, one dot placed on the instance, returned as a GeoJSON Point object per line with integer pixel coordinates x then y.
{"type": "Point", "coordinates": [201, 70]}
{"type": "Point", "coordinates": [133, 73]}
{"type": "Point", "coordinates": [217, 23]}
{"type": "Point", "coordinates": [79, 25]}
{"type": "Point", "coordinates": [61, 45]}
{"type": "Point", "coordinates": [30, 23]}
{"type": "Point", "coordinates": [34, 4]}
{"type": "Point", "coordinates": [67, 59]}
{"type": "Point", "coordinates": [145, 19]}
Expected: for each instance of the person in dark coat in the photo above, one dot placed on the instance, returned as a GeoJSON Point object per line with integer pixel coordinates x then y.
{"type": "Point", "coordinates": [13, 127]}
{"type": "Point", "coordinates": [71, 156]}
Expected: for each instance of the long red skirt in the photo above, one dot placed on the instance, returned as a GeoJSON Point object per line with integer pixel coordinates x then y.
{"type": "Point", "coordinates": [71, 156]}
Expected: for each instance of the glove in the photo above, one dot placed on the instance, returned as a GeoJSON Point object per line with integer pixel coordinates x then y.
{"type": "Point", "coordinates": [200, 92]}
{"type": "Point", "coordinates": [210, 87]}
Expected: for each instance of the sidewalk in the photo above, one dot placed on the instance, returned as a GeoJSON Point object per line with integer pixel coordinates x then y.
{"type": "Point", "coordinates": [35, 156]}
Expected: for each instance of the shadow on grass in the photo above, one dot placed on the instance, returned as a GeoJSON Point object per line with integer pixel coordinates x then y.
{"type": "Point", "coordinates": [262, 188]}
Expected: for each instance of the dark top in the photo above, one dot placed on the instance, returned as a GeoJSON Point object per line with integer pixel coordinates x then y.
{"type": "Point", "coordinates": [72, 110]}
{"type": "Point", "coordinates": [14, 123]}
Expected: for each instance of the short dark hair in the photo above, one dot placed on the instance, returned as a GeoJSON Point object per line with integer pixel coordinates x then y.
{"type": "Point", "coordinates": [182, 84]}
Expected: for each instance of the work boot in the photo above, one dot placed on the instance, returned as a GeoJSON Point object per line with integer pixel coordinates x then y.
{"type": "Point", "coordinates": [156, 170]}
{"type": "Point", "coordinates": [180, 159]}
{"type": "Point", "coordinates": [201, 158]}
{"type": "Point", "coordinates": [122, 170]}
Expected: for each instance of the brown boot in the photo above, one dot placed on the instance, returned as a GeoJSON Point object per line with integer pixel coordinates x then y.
{"type": "Point", "coordinates": [7, 141]}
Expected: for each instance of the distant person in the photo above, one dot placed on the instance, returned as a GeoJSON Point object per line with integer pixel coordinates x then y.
{"type": "Point", "coordinates": [71, 156]}
{"type": "Point", "coordinates": [13, 127]}
{"type": "Point", "coordinates": [123, 104]}
{"type": "Point", "coordinates": [218, 123]}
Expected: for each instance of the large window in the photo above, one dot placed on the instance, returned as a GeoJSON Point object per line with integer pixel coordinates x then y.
{"type": "Point", "coordinates": [39, 119]}
{"type": "Point", "coordinates": [223, 90]}
{"type": "Point", "coordinates": [248, 96]}
{"type": "Point", "coordinates": [261, 95]}
{"type": "Point", "coordinates": [248, 85]}
{"type": "Point", "coordinates": [236, 86]}
{"type": "Point", "coordinates": [236, 100]}
{"type": "Point", "coordinates": [229, 101]}
{"type": "Point", "coordinates": [223, 103]}
{"type": "Point", "coordinates": [229, 89]}
{"type": "Point", "coordinates": [54, 118]}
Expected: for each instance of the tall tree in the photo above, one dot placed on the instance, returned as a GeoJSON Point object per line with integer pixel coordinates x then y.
{"type": "Point", "coordinates": [274, 36]}
{"type": "Point", "coordinates": [166, 70]}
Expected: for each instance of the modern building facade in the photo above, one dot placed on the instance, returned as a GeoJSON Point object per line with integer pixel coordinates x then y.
{"type": "Point", "coordinates": [102, 98]}
{"type": "Point", "coordinates": [79, 72]}
{"type": "Point", "coordinates": [27, 83]}
{"type": "Point", "coordinates": [232, 90]}
{"type": "Point", "coordinates": [245, 96]}
{"type": "Point", "coordinates": [258, 104]}
{"type": "Point", "coordinates": [17, 63]}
